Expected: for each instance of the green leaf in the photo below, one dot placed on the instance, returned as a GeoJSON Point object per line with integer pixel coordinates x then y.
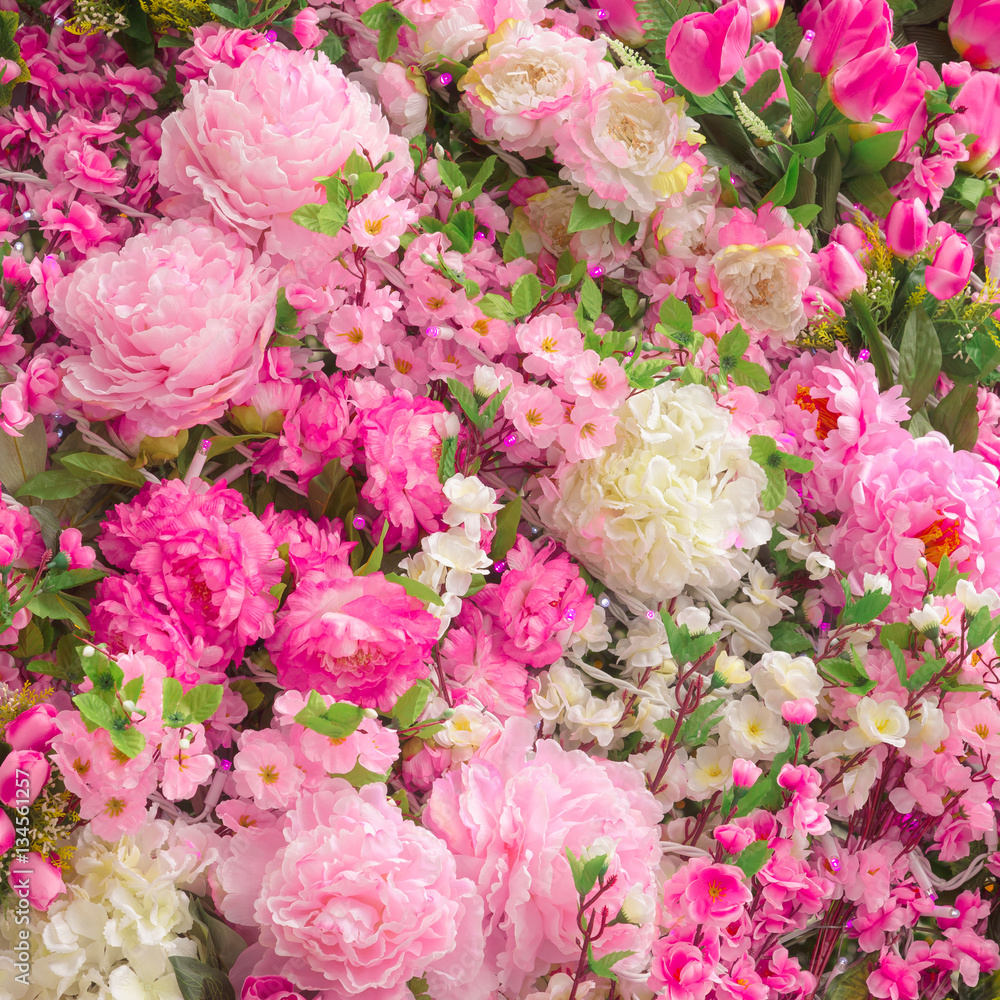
{"type": "Point", "coordinates": [133, 690]}
{"type": "Point", "coordinates": [508, 518]}
{"type": "Point", "coordinates": [95, 709]}
{"type": "Point", "coordinates": [919, 358]}
{"type": "Point", "coordinates": [603, 966]}
{"type": "Point", "coordinates": [642, 374]}
{"type": "Point", "coordinates": [332, 47]}
{"type": "Point", "coordinates": [625, 231]}
{"type": "Point", "coordinates": [249, 692]}
{"type": "Point", "coordinates": [110, 470]}
{"type": "Point", "coordinates": [872, 191]}
{"type": "Point", "coordinates": [416, 589]}
{"type": "Point", "coordinates": [359, 776]}
{"type": "Point", "coordinates": [220, 444]}
{"type": "Point", "coordinates": [946, 578]}
{"type": "Point", "coordinates": [865, 609]}
{"type": "Point", "coordinates": [60, 607]}
{"type": "Point", "coordinates": [957, 418]}
{"type": "Point", "coordinates": [676, 315]}
{"type": "Point", "coordinates": [464, 397]}
{"type": "Point", "coordinates": [811, 149]}
{"type": "Point", "coordinates": [488, 414]}
{"type": "Point", "coordinates": [753, 857]}
{"type": "Point", "coordinates": [286, 319]}
{"type": "Point", "coordinates": [71, 578]}
{"type": "Point", "coordinates": [461, 230]}
{"type": "Point", "coordinates": [172, 692]}
{"type": "Point", "coordinates": [586, 873]}
{"type": "Point", "coordinates": [784, 191]}
{"type": "Point", "coordinates": [130, 741]}
{"type": "Point", "coordinates": [968, 191]}
{"type": "Point", "coordinates": [331, 491]}
{"type": "Point", "coordinates": [198, 981]}
{"type": "Point", "coordinates": [804, 214]}
{"type": "Point", "coordinates": [764, 451]}
{"type": "Point", "coordinates": [9, 49]}
{"type": "Point", "coordinates": [201, 702]}
{"type": "Point", "coordinates": [803, 116]}
{"type": "Point", "coordinates": [787, 638]}
{"type": "Point", "coordinates": [451, 174]}
{"type": "Point", "coordinates": [446, 466]}
{"type": "Point", "coordinates": [851, 984]}
{"type": "Point", "coordinates": [751, 374]}
{"type": "Point", "coordinates": [497, 307]}
{"type": "Point", "coordinates": [58, 484]}
{"type": "Point", "coordinates": [734, 344]}
{"type": "Point", "coordinates": [526, 293]}
{"type": "Point", "coordinates": [584, 217]}
{"type": "Point", "coordinates": [374, 561]}
{"type": "Point", "coordinates": [982, 627]}
{"type": "Point", "coordinates": [337, 722]}
{"type": "Point", "coordinates": [684, 647]}
{"type": "Point", "coordinates": [870, 155]}
{"type": "Point", "coordinates": [411, 703]}
{"type": "Point", "coordinates": [591, 298]}
{"type": "Point", "coordinates": [702, 720]}
{"type": "Point", "coordinates": [767, 83]}
{"type": "Point", "coordinates": [928, 668]}
{"type": "Point", "coordinates": [513, 248]}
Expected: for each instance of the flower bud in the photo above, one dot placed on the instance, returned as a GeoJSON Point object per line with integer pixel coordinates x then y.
{"type": "Point", "coordinates": [7, 833]}
{"type": "Point", "coordinates": [949, 272]}
{"type": "Point", "coordinates": [305, 29]}
{"type": "Point", "coordinates": [841, 272]}
{"type": "Point", "coordinates": [745, 772]}
{"type": "Point", "coordinates": [706, 50]}
{"type": "Point", "coordinates": [733, 838]}
{"type": "Point", "coordinates": [799, 712]}
{"type": "Point", "coordinates": [906, 227]}
{"type": "Point", "coordinates": [23, 775]}
{"type": "Point", "coordinates": [36, 880]}
{"type": "Point", "coordinates": [764, 14]}
{"type": "Point", "coordinates": [974, 30]}
{"type": "Point", "coordinates": [33, 729]}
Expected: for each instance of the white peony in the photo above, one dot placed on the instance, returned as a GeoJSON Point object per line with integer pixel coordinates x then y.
{"type": "Point", "coordinates": [671, 504]}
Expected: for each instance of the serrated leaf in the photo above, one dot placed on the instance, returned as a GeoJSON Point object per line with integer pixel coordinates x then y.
{"type": "Point", "coordinates": [129, 741]}
{"type": "Point", "coordinates": [749, 373]}
{"type": "Point", "coordinates": [416, 589]}
{"type": "Point", "coordinates": [513, 247]}
{"type": "Point", "coordinates": [642, 375]}
{"type": "Point", "coordinates": [675, 314]}
{"type": "Point", "coordinates": [753, 857]}
{"type": "Point", "coordinates": [591, 298]}
{"type": "Point", "coordinates": [201, 702]}
{"type": "Point", "coordinates": [701, 721]}
{"type": "Point", "coordinates": [786, 638]}
{"type": "Point", "coordinates": [93, 708]}
{"type": "Point", "coordinates": [508, 518]}
{"type": "Point", "coordinates": [464, 397]}
{"type": "Point", "coordinates": [583, 216]}
{"type": "Point", "coordinates": [497, 307]}
{"type": "Point", "coordinates": [586, 873]}
{"type": "Point", "coordinates": [71, 578]}
{"type": "Point", "coordinates": [198, 981]}
{"type": "Point", "coordinates": [451, 174]}
{"type": "Point", "coordinates": [446, 465]}
{"type": "Point", "coordinates": [132, 691]}
{"type": "Point", "coordinates": [60, 607]}
{"type": "Point", "coordinates": [526, 293]}
{"type": "Point", "coordinates": [411, 703]}
{"type": "Point", "coordinates": [603, 966]}
{"type": "Point", "coordinates": [865, 609]}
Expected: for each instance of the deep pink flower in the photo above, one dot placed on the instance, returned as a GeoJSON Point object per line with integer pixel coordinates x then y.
{"type": "Point", "coordinates": [705, 50]}
{"type": "Point", "coordinates": [974, 29]}
{"type": "Point", "coordinates": [36, 879]}
{"type": "Point", "coordinates": [708, 893]}
{"type": "Point", "coordinates": [680, 971]}
{"type": "Point", "coordinates": [33, 729]}
{"type": "Point", "coordinates": [359, 638]}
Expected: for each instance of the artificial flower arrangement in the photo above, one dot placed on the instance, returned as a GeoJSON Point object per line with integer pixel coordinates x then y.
{"type": "Point", "coordinates": [499, 500]}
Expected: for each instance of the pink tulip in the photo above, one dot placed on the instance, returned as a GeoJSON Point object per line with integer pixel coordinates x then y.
{"type": "Point", "coordinates": [622, 19]}
{"type": "Point", "coordinates": [33, 729]}
{"type": "Point", "coordinates": [848, 235]}
{"type": "Point", "coordinates": [706, 50]}
{"type": "Point", "coordinates": [864, 85]}
{"type": "Point", "coordinates": [906, 227]}
{"type": "Point", "coordinates": [978, 107]}
{"type": "Point", "coordinates": [799, 712]}
{"type": "Point", "coordinates": [949, 272]}
{"type": "Point", "coordinates": [841, 272]}
{"type": "Point", "coordinates": [844, 30]}
{"type": "Point", "coordinates": [35, 879]}
{"type": "Point", "coordinates": [974, 29]}
{"type": "Point", "coordinates": [745, 772]}
{"type": "Point", "coordinates": [23, 775]}
{"type": "Point", "coordinates": [764, 14]}
{"type": "Point", "coordinates": [7, 833]}
{"type": "Point", "coordinates": [905, 107]}
{"type": "Point", "coordinates": [762, 57]}
{"type": "Point", "coordinates": [304, 28]}
{"type": "Point", "coordinates": [9, 70]}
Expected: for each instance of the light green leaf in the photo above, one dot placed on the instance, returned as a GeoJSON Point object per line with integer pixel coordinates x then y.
{"type": "Point", "coordinates": [111, 470]}
{"type": "Point", "coordinates": [416, 589]}
{"type": "Point", "coordinates": [584, 217]}
{"type": "Point", "coordinates": [526, 293]}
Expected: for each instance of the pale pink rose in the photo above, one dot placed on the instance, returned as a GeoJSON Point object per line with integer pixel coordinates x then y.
{"type": "Point", "coordinates": [509, 814]}
{"type": "Point", "coordinates": [359, 638]}
{"type": "Point", "coordinates": [35, 879]}
{"type": "Point", "coordinates": [354, 900]}
{"type": "Point", "coordinates": [169, 327]}
{"type": "Point", "coordinates": [249, 142]}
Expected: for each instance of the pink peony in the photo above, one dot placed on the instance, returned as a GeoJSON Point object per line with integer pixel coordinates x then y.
{"type": "Point", "coordinates": [169, 327]}
{"type": "Point", "coordinates": [921, 498]}
{"type": "Point", "coordinates": [202, 558]}
{"type": "Point", "coordinates": [510, 813]}
{"type": "Point", "coordinates": [354, 900]}
{"type": "Point", "coordinates": [399, 439]}
{"type": "Point", "coordinates": [358, 638]}
{"type": "Point", "coordinates": [250, 140]}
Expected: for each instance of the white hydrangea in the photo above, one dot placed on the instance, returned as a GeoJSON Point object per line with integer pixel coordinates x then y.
{"type": "Point", "coordinates": [124, 914]}
{"type": "Point", "coordinates": [672, 503]}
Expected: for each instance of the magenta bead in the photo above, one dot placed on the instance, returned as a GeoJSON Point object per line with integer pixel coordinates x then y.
{"type": "Point", "coordinates": [444, 79]}
{"type": "Point", "coordinates": [358, 522]}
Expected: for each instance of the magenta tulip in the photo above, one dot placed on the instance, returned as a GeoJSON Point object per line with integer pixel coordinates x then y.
{"type": "Point", "coordinates": [841, 272]}
{"type": "Point", "coordinates": [706, 50]}
{"type": "Point", "coordinates": [863, 86]}
{"type": "Point", "coordinates": [36, 880]}
{"type": "Point", "coordinates": [974, 29]}
{"type": "Point", "coordinates": [23, 775]}
{"type": "Point", "coordinates": [7, 833]}
{"type": "Point", "coordinates": [745, 772]}
{"type": "Point", "coordinates": [622, 19]}
{"type": "Point", "coordinates": [906, 227]}
{"type": "Point", "coordinates": [949, 272]}
{"type": "Point", "coordinates": [978, 107]}
{"type": "Point", "coordinates": [844, 30]}
{"type": "Point", "coordinates": [33, 729]}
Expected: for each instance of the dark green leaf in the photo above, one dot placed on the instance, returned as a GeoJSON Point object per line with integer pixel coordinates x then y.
{"type": "Point", "coordinates": [111, 470]}
{"type": "Point", "coordinates": [526, 293]}
{"type": "Point", "coordinates": [919, 358]}
{"type": "Point", "coordinates": [872, 191]}
{"type": "Point", "coordinates": [71, 578]}
{"type": "Point", "coordinates": [870, 155]}
{"type": "Point", "coordinates": [198, 981]}
{"type": "Point", "coordinates": [784, 191]}
{"type": "Point", "coordinates": [58, 484]}
{"type": "Point", "coordinates": [446, 465]}
{"type": "Point", "coordinates": [508, 518]}
{"type": "Point", "coordinates": [58, 606]}
{"type": "Point", "coordinates": [767, 83]}
{"type": "Point", "coordinates": [625, 231]}
{"type": "Point", "coordinates": [851, 984]}
{"type": "Point", "coordinates": [957, 418]}
{"type": "Point", "coordinates": [787, 638]}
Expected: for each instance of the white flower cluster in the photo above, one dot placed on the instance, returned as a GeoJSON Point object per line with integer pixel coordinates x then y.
{"type": "Point", "coordinates": [672, 503]}
{"type": "Point", "coordinates": [123, 915]}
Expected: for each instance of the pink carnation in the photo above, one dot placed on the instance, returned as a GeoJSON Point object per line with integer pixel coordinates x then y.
{"type": "Point", "coordinates": [354, 900]}
{"type": "Point", "coordinates": [510, 813]}
{"type": "Point", "coordinates": [920, 499]}
{"type": "Point", "coordinates": [399, 439]}
{"type": "Point", "coordinates": [358, 638]}
{"type": "Point", "coordinates": [169, 327]}
{"type": "Point", "coordinates": [833, 410]}
{"type": "Point", "coordinates": [309, 547]}
{"type": "Point", "coordinates": [251, 139]}
{"type": "Point", "coordinates": [202, 558]}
